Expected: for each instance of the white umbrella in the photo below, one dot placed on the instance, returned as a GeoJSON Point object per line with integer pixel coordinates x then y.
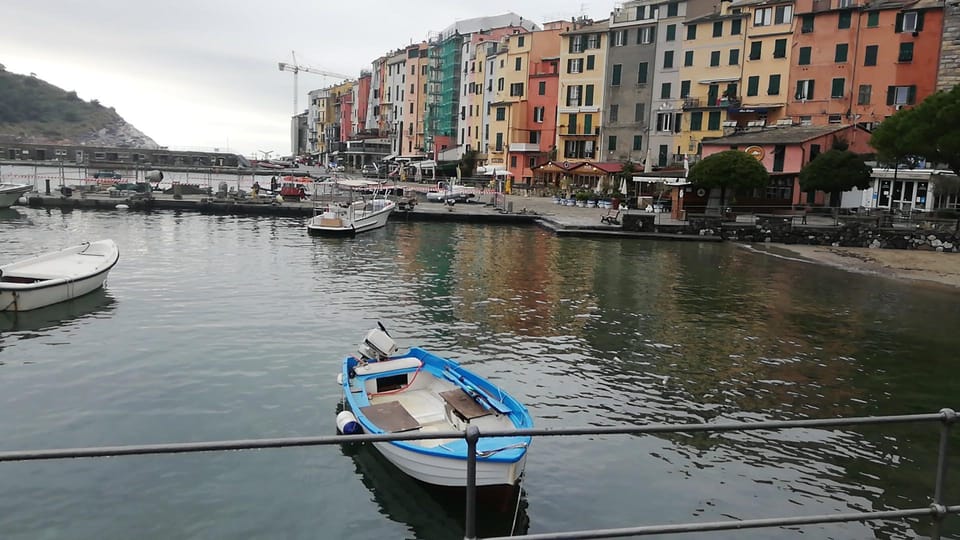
{"type": "Point", "coordinates": [623, 185]}
{"type": "Point", "coordinates": [648, 164]}
{"type": "Point", "coordinates": [686, 166]}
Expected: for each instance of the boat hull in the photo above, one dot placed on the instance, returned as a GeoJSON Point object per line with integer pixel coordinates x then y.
{"type": "Point", "coordinates": [350, 227]}
{"type": "Point", "coordinates": [451, 472]}
{"type": "Point", "coordinates": [18, 295]}
{"type": "Point", "coordinates": [10, 193]}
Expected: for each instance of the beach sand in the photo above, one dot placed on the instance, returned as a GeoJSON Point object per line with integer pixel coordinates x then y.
{"type": "Point", "coordinates": [921, 267]}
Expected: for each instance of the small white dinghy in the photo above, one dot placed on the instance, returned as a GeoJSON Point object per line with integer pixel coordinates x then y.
{"type": "Point", "coordinates": [419, 391]}
{"type": "Point", "coordinates": [56, 277]}
{"type": "Point", "coordinates": [10, 193]}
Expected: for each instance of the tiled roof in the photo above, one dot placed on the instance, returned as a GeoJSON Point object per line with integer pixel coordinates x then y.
{"type": "Point", "coordinates": [779, 135]}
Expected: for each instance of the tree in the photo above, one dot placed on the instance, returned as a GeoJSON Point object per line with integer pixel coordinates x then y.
{"type": "Point", "coordinates": [835, 171]}
{"type": "Point", "coordinates": [730, 169]}
{"type": "Point", "coordinates": [931, 130]}
{"type": "Point", "coordinates": [468, 162]}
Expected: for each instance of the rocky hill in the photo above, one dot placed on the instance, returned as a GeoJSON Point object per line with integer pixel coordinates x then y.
{"type": "Point", "coordinates": [34, 111]}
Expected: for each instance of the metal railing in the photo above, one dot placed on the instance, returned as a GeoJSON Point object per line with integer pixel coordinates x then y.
{"type": "Point", "coordinates": [937, 510]}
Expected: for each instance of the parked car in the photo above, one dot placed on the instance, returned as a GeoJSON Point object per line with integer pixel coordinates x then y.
{"type": "Point", "coordinates": [369, 171]}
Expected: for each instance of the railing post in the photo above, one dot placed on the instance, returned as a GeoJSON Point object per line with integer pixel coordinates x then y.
{"type": "Point", "coordinates": [949, 416]}
{"type": "Point", "coordinates": [470, 526]}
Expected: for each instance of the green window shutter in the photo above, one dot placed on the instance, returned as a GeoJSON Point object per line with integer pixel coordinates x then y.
{"type": "Point", "coordinates": [911, 94]}
{"type": "Point", "coordinates": [756, 47]}
{"type": "Point", "coordinates": [920, 21]}
{"type": "Point", "coordinates": [588, 99]}
{"type": "Point", "coordinates": [843, 19]}
{"type": "Point", "coordinates": [642, 73]}
{"type": "Point", "coordinates": [688, 58]}
{"type": "Point", "coordinates": [780, 48]}
{"type": "Point", "coordinates": [836, 87]}
{"type": "Point", "coordinates": [804, 59]}
{"type": "Point", "coordinates": [572, 124]}
{"type": "Point", "coordinates": [870, 55]}
{"type": "Point", "coordinates": [588, 124]}
{"type": "Point", "coordinates": [671, 32]}
{"type": "Point", "coordinates": [612, 143]}
{"type": "Point", "coordinates": [891, 93]}
{"type": "Point", "coordinates": [773, 88]}
{"type": "Point", "coordinates": [873, 19]}
{"type": "Point", "coordinates": [714, 58]}
{"type": "Point", "coordinates": [637, 142]}
{"type": "Point", "coordinates": [591, 61]}
{"type": "Point", "coordinates": [753, 85]}
{"type": "Point", "coordinates": [840, 53]}
{"type": "Point", "coordinates": [615, 81]}
{"type": "Point", "coordinates": [898, 27]}
{"type": "Point", "coordinates": [734, 57]}
{"type": "Point", "coordinates": [692, 31]}
{"type": "Point", "coordinates": [713, 121]}
{"type": "Point", "coordinates": [696, 121]}
{"type": "Point", "coordinates": [684, 89]}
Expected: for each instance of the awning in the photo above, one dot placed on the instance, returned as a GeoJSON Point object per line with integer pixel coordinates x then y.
{"type": "Point", "coordinates": [668, 180]}
{"type": "Point", "coordinates": [719, 79]}
{"type": "Point", "coordinates": [390, 157]}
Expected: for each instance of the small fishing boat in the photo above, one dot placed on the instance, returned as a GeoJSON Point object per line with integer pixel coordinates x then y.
{"type": "Point", "coordinates": [56, 277]}
{"type": "Point", "coordinates": [9, 193]}
{"type": "Point", "coordinates": [385, 392]}
{"type": "Point", "coordinates": [352, 216]}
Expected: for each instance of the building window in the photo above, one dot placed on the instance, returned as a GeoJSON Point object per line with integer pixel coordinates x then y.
{"type": "Point", "coordinates": [901, 95]}
{"type": "Point", "coordinates": [588, 96]}
{"type": "Point", "coordinates": [687, 58]}
{"type": "Point", "coordinates": [714, 58]}
{"type": "Point", "coordinates": [840, 53]}
{"type": "Point", "coordinates": [734, 57]}
{"type": "Point", "coordinates": [499, 144]}
{"type": "Point", "coordinates": [692, 31]}
{"type": "Point", "coordinates": [574, 65]}
{"type": "Point", "coordinates": [645, 35]}
{"type": "Point", "coordinates": [806, 23]}
{"type": "Point", "coordinates": [736, 26]}
{"type": "Point", "coordinates": [834, 119]}
{"type": "Point", "coordinates": [665, 91]}
{"type": "Point", "coordinates": [836, 87]}
{"type": "Point", "coordinates": [642, 73]}
{"type": "Point", "coordinates": [612, 143]}
{"type": "Point", "coordinates": [591, 61]}
{"type": "Point", "coordinates": [538, 114]}
{"type": "Point", "coordinates": [520, 41]}
{"type": "Point", "coordinates": [672, 9]}
{"type": "Point", "coordinates": [713, 120]}
{"type": "Point", "coordinates": [614, 113]}
{"type": "Point", "coordinates": [906, 52]}
{"type": "Point", "coordinates": [664, 121]}
{"type": "Point", "coordinates": [619, 38]}
{"type": "Point", "coordinates": [783, 15]}
{"type": "Point", "coordinates": [671, 32]}
{"type": "Point", "coordinates": [756, 47]}
{"type": "Point", "coordinates": [718, 29]}
{"type": "Point", "coordinates": [513, 162]}
{"type": "Point", "coordinates": [518, 64]}
{"type": "Point", "coordinates": [780, 48]}
{"type": "Point", "coordinates": [572, 124]}
{"type": "Point", "coordinates": [516, 89]}
{"type": "Point", "coordinates": [870, 55]}
{"type": "Point", "coordinates": [588, 124]}
{"type": "Point", "coordinates": [843, 20]}
{"type": "Point", "coordinates": [637, 142]}
{"type": "Point", "coordinates": [667, 59]}
{"type": "Point", "coordinates": [863, 94]}
{"type": "Point", "coordinates": [909, 21]}
{"type": "Point", "coordinates": [501, 114]}
{"type": "Point", "coordinates": [684, 89]}
{"type": "Point", "coordinates": [805, 90]}
{"type": "Point", "coordinates": [873, 19]}
{"type": "Point", "coordinates": [779, 156]}
{"type": "Point", "coordinates": [532, 162]}
{"type": "Point", "coordinates": [615, 79]}
{"type": "Point", "coordinates": [500, 83]}
{"type": "Point", "coordinates": [576, 44]}
{"type": "Point", "coordinates": [542, 88]}
{"type": "Point", "coordinates": [573, 95]}
{"type": "Point", "coordinates": [753, 85]}
{"type": "Point", "coordinates": [696, 121]}
{"type": "Point", "coordinates": [763, 17]}
{"type": "Point", "coordinates": [803, 58]}
{"type": "Point", "coordinates": [773, 87]}
{"type": "Point", "coordinates": [638, 112]}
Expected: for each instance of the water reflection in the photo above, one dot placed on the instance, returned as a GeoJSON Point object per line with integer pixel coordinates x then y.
{"type": "Point", "coordinates": [20, 325]}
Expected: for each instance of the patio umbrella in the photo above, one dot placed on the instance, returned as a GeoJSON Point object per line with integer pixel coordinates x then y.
{"type": "Point", "coordinates": [623, 185]}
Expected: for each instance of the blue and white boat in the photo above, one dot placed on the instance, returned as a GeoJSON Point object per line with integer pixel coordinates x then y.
{"type": "Point", "coordinates": [387, 392]}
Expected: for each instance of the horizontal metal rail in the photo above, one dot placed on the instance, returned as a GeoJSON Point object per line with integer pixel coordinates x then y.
{"type": "Point", "coordinates": [937, 510]}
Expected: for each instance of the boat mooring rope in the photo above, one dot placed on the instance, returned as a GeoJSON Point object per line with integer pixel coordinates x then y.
{"type": "Point", "coordinates": [516, 510]}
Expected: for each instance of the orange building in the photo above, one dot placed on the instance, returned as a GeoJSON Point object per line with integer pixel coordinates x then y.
{"type": "Point", "coordinates": [855, 63]}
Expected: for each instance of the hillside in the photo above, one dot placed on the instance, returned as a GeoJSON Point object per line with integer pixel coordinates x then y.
{"type": "Point", "coordinates": [34, 111]}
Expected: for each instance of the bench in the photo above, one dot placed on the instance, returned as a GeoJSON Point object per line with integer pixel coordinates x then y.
{"type": "Point", "coordinates": [612, 217]}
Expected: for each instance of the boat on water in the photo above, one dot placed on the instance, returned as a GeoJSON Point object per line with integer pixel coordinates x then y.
{"type": "Point", "coordinates": [386, 392]}
{"type": "Point", "coordinates": [10, 193]}
{"type": "Point", "coordinates": [339, 217]}
{"type": "Point", "coordinates": [57, 276]}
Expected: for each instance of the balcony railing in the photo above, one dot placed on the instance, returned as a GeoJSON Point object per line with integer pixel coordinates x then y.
{"type": "Point", "coordinates": [707, 103]}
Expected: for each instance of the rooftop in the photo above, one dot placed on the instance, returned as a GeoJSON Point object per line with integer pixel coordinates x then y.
{"type": "Point", "coordinates": [779, 135]}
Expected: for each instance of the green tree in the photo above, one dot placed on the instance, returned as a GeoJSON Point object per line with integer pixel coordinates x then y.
{"type": "Point", "coordinates": [468, 162]}
{"type": "Point", "coordinates": [835, 171]}
{"type": "Point", "coordinates": [731, 169]}
{"type": "Point", "coordinates": [931, 130]}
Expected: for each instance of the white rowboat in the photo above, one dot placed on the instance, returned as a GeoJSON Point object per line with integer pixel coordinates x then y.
{"type": "Point", "coordinates": [56, 277]}
{"type": "Point", "coordinates": [10, 193]}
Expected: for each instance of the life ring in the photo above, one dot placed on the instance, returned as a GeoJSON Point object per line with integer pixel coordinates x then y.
{"type": "Point", "coordinates": [701, 192]}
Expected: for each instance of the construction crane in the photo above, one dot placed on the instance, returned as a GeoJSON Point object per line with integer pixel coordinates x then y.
{"type": "Point", "coordinates": [297, 68]}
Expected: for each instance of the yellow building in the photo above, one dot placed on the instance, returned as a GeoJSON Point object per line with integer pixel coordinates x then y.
{"type": "Point", "coordinates": [415, 100]}
{"type": "Point", "coordinates": [766, 70]}
{"type": "Point", "coordinates": [479, 77]}
{"type": "Point", "coordinates": [583, 52]}
{"type": "Point", "coordinates": [508, 109]}
{"type": "Point", "coordinates": [711, 63]}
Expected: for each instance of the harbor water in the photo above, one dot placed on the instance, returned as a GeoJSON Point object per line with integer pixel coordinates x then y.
{"type": "Point", "coordinates": [232, 327]}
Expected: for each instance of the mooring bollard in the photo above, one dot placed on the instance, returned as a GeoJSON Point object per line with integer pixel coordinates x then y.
{"type": "Point", "coordinates": [48, 186]}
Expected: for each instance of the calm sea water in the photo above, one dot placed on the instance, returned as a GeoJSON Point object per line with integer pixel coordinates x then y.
{"type": "Point", "coordinates": [220, 327]}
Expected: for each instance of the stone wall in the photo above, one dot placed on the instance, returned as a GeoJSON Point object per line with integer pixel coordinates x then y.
{"type": "Point", "coordinates": [949, 73]}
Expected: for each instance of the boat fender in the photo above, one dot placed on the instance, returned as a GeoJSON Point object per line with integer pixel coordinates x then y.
{"type": "Point", "coordinates": [340, 378]}
{"type": "Point", "coordinates": [347, 424]}
{"type": "Point", "coordinates": [122, 207]}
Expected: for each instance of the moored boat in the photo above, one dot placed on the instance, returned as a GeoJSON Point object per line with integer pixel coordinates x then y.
{"type": "Point", "coordinates": [57, 276]}
{"type": "Point", "coordinates": [352, 216]}
{"type": "Point", "coordinates": [10, 193]}
{"type": "Point", "coordinates": [420, 391]}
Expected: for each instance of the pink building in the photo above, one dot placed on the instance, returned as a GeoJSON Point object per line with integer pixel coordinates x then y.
{"type": "Point", "coordinates": [783, 151]}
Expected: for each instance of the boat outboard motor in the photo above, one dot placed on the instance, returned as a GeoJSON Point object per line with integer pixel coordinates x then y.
{"type": "Point", "coordinates": [376, 345]}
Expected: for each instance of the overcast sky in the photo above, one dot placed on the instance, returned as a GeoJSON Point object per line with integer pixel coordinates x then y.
{"type": "Point", "coordinates": [203, 74]}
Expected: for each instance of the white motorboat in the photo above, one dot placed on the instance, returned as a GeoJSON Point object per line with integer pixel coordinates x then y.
{"type": "Point", "coordinates": [352, 216]}
{"type": "Point", "coordinates": [56, 277]}
{"type": "Point", "coordinates": [419, 391]}
{"type": "Point", "coordinates": [10, 193]}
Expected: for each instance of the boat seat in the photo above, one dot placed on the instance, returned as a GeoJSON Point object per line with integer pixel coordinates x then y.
{"type": "Point", "coordinates": [390, 416]}
{"type": "Point", "coordinates": [466, 406]}
{"type": "Point", "coordinates": [384, 366]}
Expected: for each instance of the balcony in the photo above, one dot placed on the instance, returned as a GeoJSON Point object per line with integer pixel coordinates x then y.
{"type": "Point", "coordinates": [705, 103]}
{"type": "Point", "coordinates": [524, 147]}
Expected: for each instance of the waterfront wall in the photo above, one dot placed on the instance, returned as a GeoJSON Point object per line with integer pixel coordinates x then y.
{"type": "Point", "coordinates": [942, 239]}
